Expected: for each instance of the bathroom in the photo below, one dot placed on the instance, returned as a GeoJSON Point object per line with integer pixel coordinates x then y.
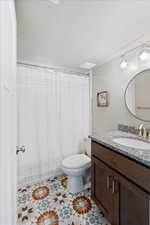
{"type": "Point", "coordinates": [74, 121]}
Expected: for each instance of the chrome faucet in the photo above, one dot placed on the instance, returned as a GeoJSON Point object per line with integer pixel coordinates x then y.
{"type": "Point", "coordinates": [143, 132]}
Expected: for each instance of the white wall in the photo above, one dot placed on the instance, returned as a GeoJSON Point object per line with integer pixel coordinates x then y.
{"type": "Point", "coordinates": [112, 78]}
{"type": "Point", "coordinates": [7, 113]}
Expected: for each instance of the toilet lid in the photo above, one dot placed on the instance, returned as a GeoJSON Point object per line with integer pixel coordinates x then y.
{"type": "Point", "coordinates": [76, 161]}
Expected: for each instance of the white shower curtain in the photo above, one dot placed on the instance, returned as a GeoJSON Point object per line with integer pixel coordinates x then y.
{"type": "Point", "coordinates": [53, 120]}
{"type": "Point", "coordinates": [7, 113]}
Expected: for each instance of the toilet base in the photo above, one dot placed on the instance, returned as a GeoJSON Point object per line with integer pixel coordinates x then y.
{"type": "Point", "coordinates": [75, 184]}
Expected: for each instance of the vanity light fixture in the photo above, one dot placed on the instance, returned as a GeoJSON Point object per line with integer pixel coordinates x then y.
{"type": "Point", "coordinates": [144, 54]}
{"type": "Point", "coordinates": [123, 63]}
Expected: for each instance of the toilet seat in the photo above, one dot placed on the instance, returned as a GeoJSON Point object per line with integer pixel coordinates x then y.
{"type": "Point", "coordinates": [76, 161]}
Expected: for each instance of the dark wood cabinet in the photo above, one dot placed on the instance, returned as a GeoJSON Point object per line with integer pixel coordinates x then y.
{"type": "Point", "coordinates": [122, 200]}
{"type": "Point", "coordinates": [102, 180]}
{"type": "Point", "coordinates": [133, 204]}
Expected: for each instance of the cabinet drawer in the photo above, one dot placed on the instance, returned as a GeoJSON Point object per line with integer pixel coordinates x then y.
{"type": "Point", "coordinates": [129, 168]}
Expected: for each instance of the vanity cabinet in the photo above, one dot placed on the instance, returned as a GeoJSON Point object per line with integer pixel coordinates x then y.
{"type": "Point", "coordinates": [120, 187]}
{"type": "Point", "coordinates": [133, 204]}
{"type": "Point", "coordinates": [101, 189]}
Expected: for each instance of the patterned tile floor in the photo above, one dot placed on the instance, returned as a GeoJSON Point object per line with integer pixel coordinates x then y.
{"type": "Point", "coordinates": [50, 203]}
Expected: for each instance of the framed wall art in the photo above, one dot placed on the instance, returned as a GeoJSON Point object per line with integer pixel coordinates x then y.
{"type": "Point", "coordinates": [102, 99]}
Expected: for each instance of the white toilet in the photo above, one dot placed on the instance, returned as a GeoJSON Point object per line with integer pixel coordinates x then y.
{"type": "Point", "coordinates": [76, 167]}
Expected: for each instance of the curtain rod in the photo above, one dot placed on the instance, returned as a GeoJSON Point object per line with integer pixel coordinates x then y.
{"type": "Point", "coordinates": [59, 69]}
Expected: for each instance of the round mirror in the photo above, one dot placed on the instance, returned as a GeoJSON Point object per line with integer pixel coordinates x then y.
{"type": "Point", "coordinates": [137, 96]}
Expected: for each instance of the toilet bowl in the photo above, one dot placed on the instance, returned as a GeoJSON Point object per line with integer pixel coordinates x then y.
{"type": "Point", "coordinates": [76, 167]}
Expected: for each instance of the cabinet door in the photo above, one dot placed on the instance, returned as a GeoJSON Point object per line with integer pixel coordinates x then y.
{"type": "Point", "coordinates": [133, 204]}
{"type": "Point", "coordinates": [102, 177]}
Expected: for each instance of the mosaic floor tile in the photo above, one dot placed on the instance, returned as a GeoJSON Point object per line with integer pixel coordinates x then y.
{"type": "Point", "coordinates": [50, 203]}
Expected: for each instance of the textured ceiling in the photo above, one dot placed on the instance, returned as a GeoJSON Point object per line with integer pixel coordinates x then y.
{"type": "Point", "coordinates": [73, 32]}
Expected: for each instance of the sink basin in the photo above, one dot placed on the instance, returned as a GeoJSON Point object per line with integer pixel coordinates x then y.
{"type": "Point", "coordinates": [132, 143]}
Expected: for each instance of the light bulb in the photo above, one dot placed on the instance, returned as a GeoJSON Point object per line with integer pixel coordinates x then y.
{"type": "Point", "coordinates": [123, 64]}
{"type": "Point", "coordinates": [144, 55]}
